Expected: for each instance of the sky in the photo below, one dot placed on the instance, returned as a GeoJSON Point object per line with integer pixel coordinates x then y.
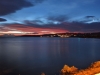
{"type": "Point", "coordinates": [50, 16]}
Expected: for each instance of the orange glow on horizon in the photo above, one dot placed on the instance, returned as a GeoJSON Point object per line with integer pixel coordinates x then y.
{"type": "Point", "coordinates": [34, 30]}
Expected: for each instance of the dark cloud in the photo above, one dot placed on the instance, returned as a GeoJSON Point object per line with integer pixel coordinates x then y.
{"type": "Point", "coordinates": [2, 20]}
{"type": "Point", "coordinates": [90, 17]}
{"type": "Point", "coordinates": [81, 27]}
{"type": "Point", "coordinates": [11, 6]}
{"type": "Point", "coordinates": [33, 22]}
{"type": "Point", "coordinates": [60, 18]}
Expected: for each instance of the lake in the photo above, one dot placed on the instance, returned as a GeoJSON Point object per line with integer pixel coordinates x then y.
{"type": "Point", "coordinates": [34, 55]}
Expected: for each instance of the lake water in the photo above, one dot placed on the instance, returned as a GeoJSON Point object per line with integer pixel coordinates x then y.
{"type": "Point", "coordinates": [31, 55]}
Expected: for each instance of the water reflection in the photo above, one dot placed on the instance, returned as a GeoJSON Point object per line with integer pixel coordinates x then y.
{"type": "Point", "coordinates": [29, 56]}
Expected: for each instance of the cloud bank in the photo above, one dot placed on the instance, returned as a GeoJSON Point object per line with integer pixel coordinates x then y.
{"type": "Point", "coordinates": [63, 25]}
{"type": "Point", "coordinates": [11, 6]}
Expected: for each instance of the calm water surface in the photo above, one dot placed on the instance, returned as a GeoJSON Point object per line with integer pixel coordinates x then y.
{"type": "Point", "coordinates": [31, 56]}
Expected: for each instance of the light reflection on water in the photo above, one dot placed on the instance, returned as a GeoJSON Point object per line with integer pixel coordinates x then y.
{"type": "Point", "coordinates": [31, 56]}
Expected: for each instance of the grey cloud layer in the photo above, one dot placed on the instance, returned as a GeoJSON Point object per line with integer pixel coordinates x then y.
{"type": "Point", "coordinates": [70, 26]}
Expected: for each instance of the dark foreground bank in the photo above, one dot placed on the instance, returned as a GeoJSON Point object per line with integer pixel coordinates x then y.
{"type": "Point", "coordinates": [93, 69]}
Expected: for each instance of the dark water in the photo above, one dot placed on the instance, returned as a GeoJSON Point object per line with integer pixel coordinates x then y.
{"type": "Point", "coordinates": [31, 56]}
